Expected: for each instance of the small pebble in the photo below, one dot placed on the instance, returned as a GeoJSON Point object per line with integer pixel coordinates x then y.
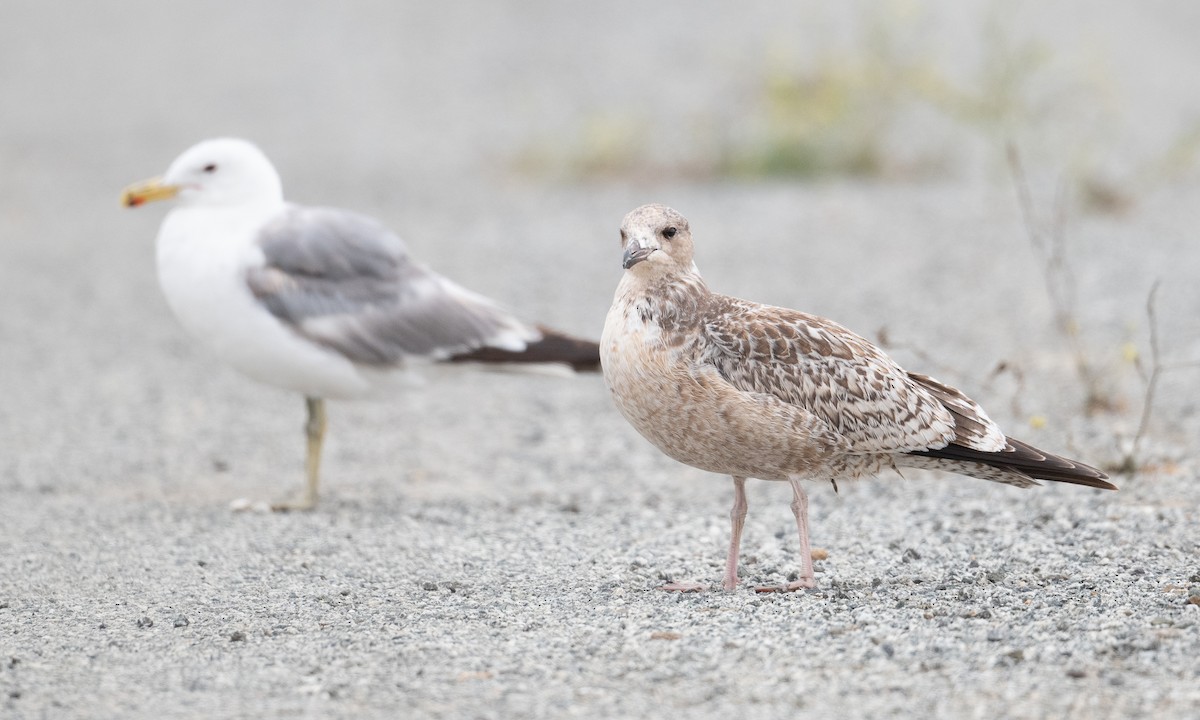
{"type": "Point", "coordinates": [248, 505]}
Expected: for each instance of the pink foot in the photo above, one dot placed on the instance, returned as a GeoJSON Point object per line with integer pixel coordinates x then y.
{"type": "Point", "coordinates": [803, 584]}
{"type": "Point", "coordinates": [683, 587]}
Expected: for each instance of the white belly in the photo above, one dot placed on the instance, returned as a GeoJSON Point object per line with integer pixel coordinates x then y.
{"type": "Point", "coordinates": [202, 262]}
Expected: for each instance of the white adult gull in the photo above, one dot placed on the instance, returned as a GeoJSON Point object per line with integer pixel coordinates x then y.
{"type": "Point", "coordinates": [749, 390]}
{"type": "Point", "coordinates": [324, 302]}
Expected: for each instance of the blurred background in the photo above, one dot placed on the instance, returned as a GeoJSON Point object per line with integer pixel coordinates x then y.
{"type": "Point", "coordinates": [990, 189]}
{"type": "Point", "coordinates": [866, 161]}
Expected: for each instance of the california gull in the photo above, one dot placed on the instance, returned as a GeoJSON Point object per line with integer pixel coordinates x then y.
{"type": "Point", "coordinates": [320, 301]}
{"type": "Point", "coordinates": [749, 390]}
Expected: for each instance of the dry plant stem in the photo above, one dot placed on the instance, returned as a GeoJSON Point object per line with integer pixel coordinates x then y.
{"type": "Point", "coordinates": [1057, 274]}
{"type": "Point", "coordinates": [883, 338]}
{"type": "Point", "coordinates": [1006, 368]}
{"type": "Point", "coordinates": [1131, 464]}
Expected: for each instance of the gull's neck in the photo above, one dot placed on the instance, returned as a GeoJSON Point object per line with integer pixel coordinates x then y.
{"type": "Point", "coordinates": [664, 282]}
{"type": "Point", "coordinates": [672, 299]}
{"type": "Point", "coordinates": [207, 226]}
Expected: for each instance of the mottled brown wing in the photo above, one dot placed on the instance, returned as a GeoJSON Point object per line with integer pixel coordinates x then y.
{"type": "Point", "coordinates": [972, 427]}
{"type": "Point", "coordinates": [816, 364]}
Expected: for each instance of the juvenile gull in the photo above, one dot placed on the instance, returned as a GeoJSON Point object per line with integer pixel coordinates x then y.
{"type": "Point", "coordinates": [749, 390]}
{"type": "Point", "coordinates": [320, 301]}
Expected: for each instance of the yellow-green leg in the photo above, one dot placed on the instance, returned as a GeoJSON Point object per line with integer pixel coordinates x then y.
{"type": "Point", "coordinates": [314, 430]}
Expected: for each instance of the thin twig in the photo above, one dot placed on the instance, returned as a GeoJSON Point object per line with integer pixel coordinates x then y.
{"type": "Point", "coordinates": [883, 337]}
{"type": "Point", "coordinates": [1024, 199]}
{"type": "Point", "coordinates": [1056, 273]}
{"type": "Point", "coordinates": [1006, 368]}
{"type": "Point", "coordinates": [1130, 464]}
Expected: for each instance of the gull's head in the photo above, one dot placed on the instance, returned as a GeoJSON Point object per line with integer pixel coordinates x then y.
{"type": "Point", "coordinates": [225, 171]}
{"type": "Point", "coordinates": [655, 236]}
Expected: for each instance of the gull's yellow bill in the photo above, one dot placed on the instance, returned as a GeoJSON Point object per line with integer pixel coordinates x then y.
{"type": "Point", "coordinates": [148, 191]}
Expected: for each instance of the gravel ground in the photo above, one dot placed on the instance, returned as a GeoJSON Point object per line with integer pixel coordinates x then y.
{"type": "Point", "coordinates": [490, 544]}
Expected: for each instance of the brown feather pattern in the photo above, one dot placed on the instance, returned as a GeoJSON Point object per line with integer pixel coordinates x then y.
{"type": "Point", "coordinates": [745, 389]}
{"type": "Point", "coordinates": [749, 390]}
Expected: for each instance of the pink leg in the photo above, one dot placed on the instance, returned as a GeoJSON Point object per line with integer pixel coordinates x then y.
{"type": "Point", "coordinates": [807, 576]}
{"type": "Point", "coordinates": [737, 517]}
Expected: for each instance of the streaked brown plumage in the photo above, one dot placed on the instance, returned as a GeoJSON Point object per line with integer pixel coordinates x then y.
{"type": "Point", "coordinates": [749, 390]}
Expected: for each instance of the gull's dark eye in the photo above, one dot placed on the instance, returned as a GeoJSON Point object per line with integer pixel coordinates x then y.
{"type": "Point", "coordinates": [669, 232]}
{"type": "Point", "coordinates": [210, 168]}
{"type": "Point", "coordinates": [624, 238]}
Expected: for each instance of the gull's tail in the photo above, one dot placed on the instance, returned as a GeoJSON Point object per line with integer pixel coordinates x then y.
{"type": "Point", "coordinates": [1018, 464]}
{"type": "Point", "coordinates": [552, 347]}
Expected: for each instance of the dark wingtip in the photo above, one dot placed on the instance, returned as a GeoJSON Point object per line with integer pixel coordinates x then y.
{"type": "Point", "coordinates": [554, 347]}
{"type": "Point", "coordinates": [1025, 459]}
